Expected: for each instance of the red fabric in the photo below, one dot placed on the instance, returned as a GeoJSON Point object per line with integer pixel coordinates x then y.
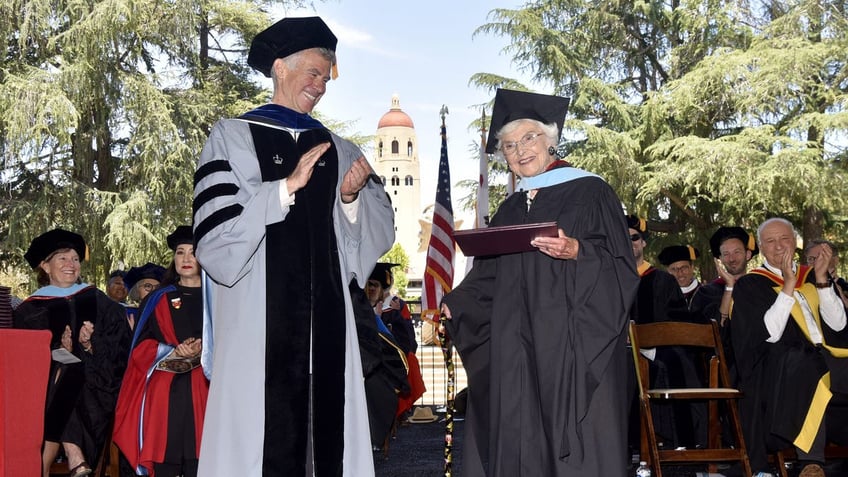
{"type": "Point", "coordinates": [24, 370]}
{"type": "Point", "coordinates": [416, 385]}
{"type": "Point", "coordinates": [158, 389]}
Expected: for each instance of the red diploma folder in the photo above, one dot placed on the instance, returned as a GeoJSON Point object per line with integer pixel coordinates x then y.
{"type": "Point", "coordinates": [502, 240]}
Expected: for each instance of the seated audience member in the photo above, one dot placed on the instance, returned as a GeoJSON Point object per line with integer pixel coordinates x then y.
{"type": "Point", "coordinates": [811, 253]}
{"type": "Point", "coordinates": [396, 316]}
{"type": "Point", "coordinates": [679, 261]}
{"type": "Point", "coordinates": [783, 318]}
{"type": "Point", "coordinates": [141, 281]}
{"type": "Point", "coordinates": [159, 416]}
{"type": "Point", "coordinates": [732, 249]}
{"type": "Point", "coordinates": [384, 362]}
{"type": "Point", "coordinates": [115, 287]}
{"type": "Point", "coordinates": [90, 344]}
{"type": "Point", "coordinates": [659, 298]}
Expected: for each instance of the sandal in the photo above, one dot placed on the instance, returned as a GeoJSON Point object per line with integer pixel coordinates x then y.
{"type": "Point", "coordinates": [80, 470]}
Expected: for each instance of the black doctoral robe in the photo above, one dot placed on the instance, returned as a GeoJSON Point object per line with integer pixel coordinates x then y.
{"type": "Point", "coordinates": [80, 405]}
{"type": "Point", "coordinates": [786, 392]}
{"type": "Point", "coordinates": [541, 340]}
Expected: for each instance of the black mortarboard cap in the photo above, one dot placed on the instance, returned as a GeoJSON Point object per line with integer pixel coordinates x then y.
{"type": "Point", "coordinates": [286, 37]}
{"type": "Point", "coordinates": [511, 105]}
{"type": "Point", "coordinates": [148, 270]}
{"type": "Point", "coordinates": [724, 233]}
{"type": "Point", "coordinates": [383, 273]}
{"type": "Point", "coordinates": [49, 242]}
{"type": "Point", "coordinates": [637, 223]}
{"type": "Point", "coordinates": [677, 253]}
{"type": "Point", "coordinates": [180, 235]}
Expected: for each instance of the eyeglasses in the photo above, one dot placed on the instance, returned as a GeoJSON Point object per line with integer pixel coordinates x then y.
{"type": "Point", "coordinates": [511, 148]}
{"type": "Point", "coordinates": [147, 286]}
{"type": "Point", "coordinates": [635, 237]}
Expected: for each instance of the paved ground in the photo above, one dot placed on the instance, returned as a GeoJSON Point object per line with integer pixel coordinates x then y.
{"type": "Point", "coordinates": [418, 451]}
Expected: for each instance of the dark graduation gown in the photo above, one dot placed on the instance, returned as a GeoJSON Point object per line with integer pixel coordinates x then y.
{"type": "Point", "coordinates": [787, 384]}
{"type": "Point", "coordinates": [81, 404]}
{"type": "Point", "coordinates": [159, 416]}
{"type": "Point", "coordinates": [541, 342]}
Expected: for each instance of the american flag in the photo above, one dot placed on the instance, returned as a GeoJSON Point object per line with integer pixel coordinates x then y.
{"type": "Point", "coordinates": [438, 275]}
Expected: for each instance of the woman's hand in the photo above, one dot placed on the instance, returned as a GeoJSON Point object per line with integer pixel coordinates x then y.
{"type": "Point", "coordinates": [446, 312]}
{"type": "Point", "coordinates": [67, 343]}
{"type": "Point", "coordinates": [561, 247]}
{"type": "Point", "coordinates": [85, 335]}
{"type": "Point", "coordinates": [189, 348]}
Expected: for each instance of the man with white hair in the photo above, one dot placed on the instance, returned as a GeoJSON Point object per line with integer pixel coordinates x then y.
{"type": "Point", "coordinates": [288, 225]}
{"type": "Point", "coordinates": [784, 318]}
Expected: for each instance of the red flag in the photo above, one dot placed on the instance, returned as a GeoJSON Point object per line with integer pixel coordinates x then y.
{"type": "Point", "coordinates": [438, 273]}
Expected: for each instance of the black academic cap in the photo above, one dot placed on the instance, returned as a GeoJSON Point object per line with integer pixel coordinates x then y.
{"type": "Point", "coordinates": [286, 37]}
{"type": "Point", "coordinates": [677, 253]}
{"type": "Point", "coordinates": [637, 223]}
{"type": "Point", "coordinates": [56, 239]}
{"type": "Point", "coordinates": [724, 233]}
{"type": "Point", "coordinates": [383, 273]}
{"type": "Point", "coordinates": [180, 235]}
{"type": "Point", "coordinates": [148, 270]}
{"type": "Point", "coordinates": [511, 105]}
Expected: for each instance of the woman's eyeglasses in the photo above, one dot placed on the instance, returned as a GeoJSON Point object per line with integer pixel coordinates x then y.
{"type": "Point", "coordinates": [635, 237]}
{"type": "Point", "coordinates": [510, 148]}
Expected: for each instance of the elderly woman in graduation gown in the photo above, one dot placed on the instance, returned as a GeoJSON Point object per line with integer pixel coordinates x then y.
{"type": "Point", "coordinates": [159, 418]}
{"type": "Point", "coordinates": [542, 333]}
{"type": "Point", "coordinates": [91, 339]}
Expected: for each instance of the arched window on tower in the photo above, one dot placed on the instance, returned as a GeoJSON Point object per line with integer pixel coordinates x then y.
{"type": "Point", "coordinates": [395, 147]}
{"type": "Point", "coordinates": [409, 148]}
{"type": "Point", "coordinates": [408, 181]}
{"type": "Point", "coordinates": [380, 151]}
{"type": "Point", "coordinates": [395, 180]}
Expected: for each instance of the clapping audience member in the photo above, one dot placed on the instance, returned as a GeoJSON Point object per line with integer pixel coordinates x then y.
{"type": "Point", "coordinates": [783, 319]}
{"type": "Point", "coordinates": [91, 340]}
{"type": "Point", "coordinates": [159, 417]}
{"type": "Point", "coordinates": [811, 253]}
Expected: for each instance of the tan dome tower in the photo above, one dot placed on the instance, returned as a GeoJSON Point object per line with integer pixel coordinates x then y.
{"type": "Point", "coordinates": [396, 162]}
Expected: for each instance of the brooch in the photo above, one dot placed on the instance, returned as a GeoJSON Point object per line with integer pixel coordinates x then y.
{"type": "Point", "coordinates": [176, 303]}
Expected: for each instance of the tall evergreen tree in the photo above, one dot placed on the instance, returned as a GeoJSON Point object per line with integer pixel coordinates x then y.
{"type": "Point", "coordinates": [698, 113]}
{"type": "Point", "coordinates": [104, 107]}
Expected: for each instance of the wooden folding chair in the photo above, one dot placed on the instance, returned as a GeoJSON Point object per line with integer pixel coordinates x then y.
{"type": "Point", "coordinates": [718, 390]}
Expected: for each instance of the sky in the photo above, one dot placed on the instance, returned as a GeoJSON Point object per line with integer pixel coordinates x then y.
{"type": "Point", "coordinates": [425, 52]}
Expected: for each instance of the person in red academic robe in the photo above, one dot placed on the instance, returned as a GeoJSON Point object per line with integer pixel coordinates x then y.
{"type": "Point", "coordinates": [159, 418]}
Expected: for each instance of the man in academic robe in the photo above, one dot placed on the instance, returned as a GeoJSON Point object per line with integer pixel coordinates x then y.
{"type": "Point", "coordinates": [286, 219]}
{"type": "Point", "coordinates": [659, 298]}
{"type": "Point", "coordinates": [732, 249]}
{"type": "Point", "coordinates": [783, 319]}
{"type": "Point", "coordinates": [679, 261]}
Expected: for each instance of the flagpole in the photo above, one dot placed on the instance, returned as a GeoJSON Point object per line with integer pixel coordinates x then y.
{"type": "Point", "coordinates": [445, 341]}
{"type": "Point", "coordinates": [483, 181]}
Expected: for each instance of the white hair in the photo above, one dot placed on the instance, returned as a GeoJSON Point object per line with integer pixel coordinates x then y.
{"type": "Point", "coordinates": [773, 220]}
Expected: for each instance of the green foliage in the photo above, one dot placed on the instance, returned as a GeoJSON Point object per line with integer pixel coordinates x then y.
{"type": "Point", "coordinates": [698, 113]}
{"type": "Point", "coordinates": [104, 108]}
